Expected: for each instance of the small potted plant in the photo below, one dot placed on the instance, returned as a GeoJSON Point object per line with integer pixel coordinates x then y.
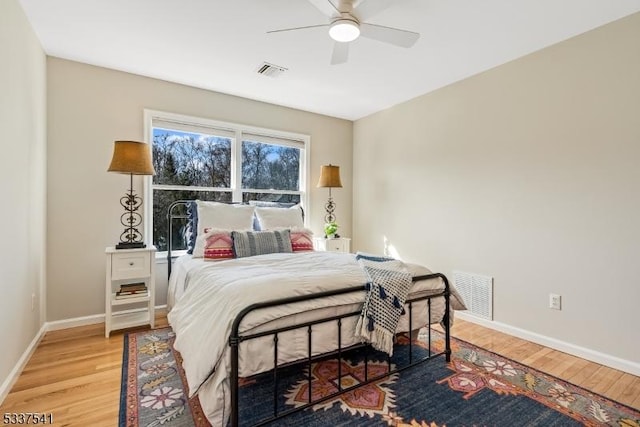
{"type": "Point", "coordinates": [331, 230]}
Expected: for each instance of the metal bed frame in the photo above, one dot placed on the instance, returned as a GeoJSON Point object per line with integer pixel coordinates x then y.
{"type": "Point", "coordinates": [237, 337]}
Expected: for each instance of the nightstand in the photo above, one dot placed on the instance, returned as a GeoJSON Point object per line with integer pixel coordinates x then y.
{"type": "Point", "coordinates": [340, 244]}
{"type": "Point", "coordinates": [129, 267]}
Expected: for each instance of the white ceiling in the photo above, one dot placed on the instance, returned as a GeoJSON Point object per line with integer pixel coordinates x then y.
{"type": "Point", "coordinates": [218, 45]}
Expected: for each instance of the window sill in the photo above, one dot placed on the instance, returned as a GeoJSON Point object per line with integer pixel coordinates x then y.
{"type": "Point", "coordinates": [161, 257]}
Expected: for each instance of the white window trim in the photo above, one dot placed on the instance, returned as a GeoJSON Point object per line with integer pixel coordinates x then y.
{"type": "Point", "coordinates": [239, 130]}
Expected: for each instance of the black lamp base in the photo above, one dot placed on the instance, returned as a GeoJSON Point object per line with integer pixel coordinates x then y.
{"type": "Point", "coordinates": [130, 245]}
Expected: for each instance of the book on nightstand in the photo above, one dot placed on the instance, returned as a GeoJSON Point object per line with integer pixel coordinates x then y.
{"type": "Point", "coordinates": [132, 290]}
{"type": "Point", "coordinates": [133, 286]}
{"type": "Point", "coordinates": [131, 294]}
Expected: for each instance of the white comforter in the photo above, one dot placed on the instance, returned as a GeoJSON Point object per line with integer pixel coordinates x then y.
{"type": "Point", "coordinates": [213, 293]}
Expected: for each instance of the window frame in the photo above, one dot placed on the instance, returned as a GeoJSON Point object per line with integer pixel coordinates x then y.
{"type": "Point", "coordinates": [240, 132]}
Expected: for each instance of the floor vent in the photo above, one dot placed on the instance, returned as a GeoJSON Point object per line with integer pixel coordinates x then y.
{"type": "Point", "coordinates": [270, 70]}
{"type": "Point", "coordinates": [477, 292]}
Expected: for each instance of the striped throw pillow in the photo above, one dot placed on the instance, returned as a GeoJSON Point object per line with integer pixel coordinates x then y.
{"type": "Point", "coordinates": [251, 243]}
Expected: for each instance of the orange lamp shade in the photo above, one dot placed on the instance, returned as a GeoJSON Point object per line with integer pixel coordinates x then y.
{"type": "Point", "coordinates": [329, 177]}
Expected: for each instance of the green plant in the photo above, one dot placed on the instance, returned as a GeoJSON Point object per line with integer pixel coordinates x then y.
{"type": "Point", "coordinates": [330, 228]}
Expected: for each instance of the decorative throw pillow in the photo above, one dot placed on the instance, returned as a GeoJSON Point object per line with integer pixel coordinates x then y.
{"type": "Point", "coordinates": [301, 239]}
{"type": "Point", "coordinates": [251, 243]}
{"type": "Point", "coordinates": [214, 244]}
{"type": "Point", "coordinates": [273, 218]}
{"type": "Point", "coordinates": [224, 216]}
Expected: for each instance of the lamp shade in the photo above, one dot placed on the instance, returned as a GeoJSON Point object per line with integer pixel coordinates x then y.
{"type": "Point", "coordinates": [131, 157]}
{"type": "Point", "coordinates": [329, 176]}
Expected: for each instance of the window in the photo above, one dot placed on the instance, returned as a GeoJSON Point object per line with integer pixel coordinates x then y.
{"type": "Point", "coordinates": [207, 160]}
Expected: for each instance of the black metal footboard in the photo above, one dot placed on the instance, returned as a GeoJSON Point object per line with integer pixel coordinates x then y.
{"type": "Point", "coordinates": [236, 338]}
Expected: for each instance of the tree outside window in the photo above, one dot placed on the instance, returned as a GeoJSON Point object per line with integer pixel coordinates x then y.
{"type": "Point", "coordinates": [199, 164]}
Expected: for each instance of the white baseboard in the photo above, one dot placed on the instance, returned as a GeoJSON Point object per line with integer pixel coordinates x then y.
{"type": "Point", "coordinates": [89, 320]}
{"type": "Point", "coordinates": [575, 350]}
{"type": "Point", "coordinates": [75, 322]}
{"type": "Point", "coordinates": [5, 388]}
{"type": "Point", "coordinates": [55, 325]}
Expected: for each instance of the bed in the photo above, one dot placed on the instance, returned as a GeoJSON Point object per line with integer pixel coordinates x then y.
{"type": "Point", "coordinates": [236, 317]}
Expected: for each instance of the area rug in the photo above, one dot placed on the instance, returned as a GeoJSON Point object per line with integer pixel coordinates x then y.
{"type": "Point", "coordinates": [478, 388]}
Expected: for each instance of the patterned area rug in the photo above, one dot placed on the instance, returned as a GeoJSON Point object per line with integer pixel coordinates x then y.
{"type": "Point", "coordinates": [477, 388]}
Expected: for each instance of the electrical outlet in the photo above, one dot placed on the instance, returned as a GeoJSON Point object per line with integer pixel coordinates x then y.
{"type": "Point", "coordinates": [33, 301]}
{"type": "Point", "coordinates": [555, 301]}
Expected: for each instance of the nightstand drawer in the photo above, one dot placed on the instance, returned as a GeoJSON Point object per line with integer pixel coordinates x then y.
{"type": "Point", "coordinates": [130, 265]}
{"type": "Point", "coordinates": [335, 246]}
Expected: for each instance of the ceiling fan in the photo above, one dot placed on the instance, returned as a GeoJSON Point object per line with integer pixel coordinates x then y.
{"type": "Point", "coordinates": [347, 23]}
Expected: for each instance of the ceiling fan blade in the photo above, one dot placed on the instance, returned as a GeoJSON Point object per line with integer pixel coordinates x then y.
{"type": "Point", "coordinates": [367, 9]}
{"type": "Point", "coordinates": [340, 53]}
{"type": "Point", "coordinates": [297, 28]}
{"type": "Point", "coordinates": [394, 36]}
{"type": "Point", "coordinates": [326, 7]}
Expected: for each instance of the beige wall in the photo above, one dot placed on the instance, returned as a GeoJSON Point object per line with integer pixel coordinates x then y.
{"type": "Point", "coordinates": [22, 172]}
{"type": "Point", "coordinates": [528, 173]}
{"type": "Point", "coordinates": [89, 108]}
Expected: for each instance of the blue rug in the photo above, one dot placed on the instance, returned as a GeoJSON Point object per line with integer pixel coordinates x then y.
{"type": "Point", "coordinates": [477, 388]}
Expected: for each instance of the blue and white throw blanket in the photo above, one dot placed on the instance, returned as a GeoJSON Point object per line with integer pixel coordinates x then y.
{"type": "Point", "coordinates": [388, 285]}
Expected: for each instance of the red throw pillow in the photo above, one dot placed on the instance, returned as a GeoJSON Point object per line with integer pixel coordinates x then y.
{"type": "Point", "coordinates": [301, 239]}
{"type": "Point", "coordinates": [218, 244]}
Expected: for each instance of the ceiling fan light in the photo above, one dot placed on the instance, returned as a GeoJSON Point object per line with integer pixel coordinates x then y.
{"type": "Point", "coordinates": [344, 30]}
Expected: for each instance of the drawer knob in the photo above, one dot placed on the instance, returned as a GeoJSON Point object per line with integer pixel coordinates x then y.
{"type": "Point", "coordinates": [131, 263]}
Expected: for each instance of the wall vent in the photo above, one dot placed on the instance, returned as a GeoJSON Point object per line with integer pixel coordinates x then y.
{"type": "Point", "coordinates": [270, 70]}
{"type": "Point", "coordinates": [477, 292]}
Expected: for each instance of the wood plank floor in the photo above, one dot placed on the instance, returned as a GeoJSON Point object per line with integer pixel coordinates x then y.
{"type": "Point", "coordinates": [75, 373]}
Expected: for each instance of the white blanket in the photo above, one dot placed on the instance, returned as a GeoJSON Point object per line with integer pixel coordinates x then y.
{"type": "Point", "coordinates": [212, 298]}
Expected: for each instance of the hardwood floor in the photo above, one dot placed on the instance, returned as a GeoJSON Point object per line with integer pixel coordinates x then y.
{"type": "Point", "coordinates": [609, 382]}
{"type": "Point", "coordinates": [75, 373]}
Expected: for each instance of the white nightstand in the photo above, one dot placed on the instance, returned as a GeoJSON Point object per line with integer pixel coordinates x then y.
{"type": "Point", "coordinates": [341, 244]}
{"type": "Point", "coordinates": [127, 266]}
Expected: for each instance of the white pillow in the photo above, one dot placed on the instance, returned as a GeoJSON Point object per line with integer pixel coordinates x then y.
{"type": "Point", "coordinates": [223, 216]}
{"type": "Point", "coordinates": [273, 218]}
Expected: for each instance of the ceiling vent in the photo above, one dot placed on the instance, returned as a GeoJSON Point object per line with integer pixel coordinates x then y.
{"type": "Point", "coordinates": [270, 70]}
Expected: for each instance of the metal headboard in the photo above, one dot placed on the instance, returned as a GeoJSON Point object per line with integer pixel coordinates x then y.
{"type": "Point", "coordinates": [171, 216]}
